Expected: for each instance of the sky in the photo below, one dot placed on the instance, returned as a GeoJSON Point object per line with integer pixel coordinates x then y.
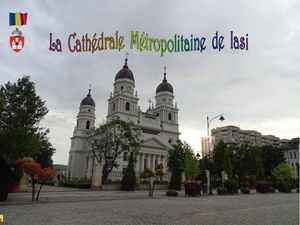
{"type": "Point", "coordinates": [257, 89]}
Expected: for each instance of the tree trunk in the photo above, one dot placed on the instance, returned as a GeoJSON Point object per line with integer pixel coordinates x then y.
{"type": "Point", "coordinates": [37, 197]}
{"type": "Point", "coordinates": [33, 188]}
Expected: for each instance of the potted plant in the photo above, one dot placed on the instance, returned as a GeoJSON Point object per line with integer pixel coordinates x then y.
{"type": "Point", "coordinates": [192, 188]}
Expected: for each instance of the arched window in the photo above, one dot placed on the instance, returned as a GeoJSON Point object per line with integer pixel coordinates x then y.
{"type": "Point", "coordinates": [169, 116]}
{"type": "Point", "coordinates": [127, 106]}
{"type": "Point", "coordinates": [87, 126]}
{"type": "Point", "coordinates": [114, 106]}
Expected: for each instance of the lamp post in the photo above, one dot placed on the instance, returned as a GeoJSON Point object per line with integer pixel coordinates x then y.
{"type": "Point", "coordinates": [209, 156]}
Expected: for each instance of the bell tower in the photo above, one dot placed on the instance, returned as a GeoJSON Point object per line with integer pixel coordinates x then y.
{"type": "Point", "coordinates": [123, 102]}
{"type": "Point", "coordinates": [78, 154]}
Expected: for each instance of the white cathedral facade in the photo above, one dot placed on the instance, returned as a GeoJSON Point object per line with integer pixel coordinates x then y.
{"type": "Point", "coordinates": [159, 126]}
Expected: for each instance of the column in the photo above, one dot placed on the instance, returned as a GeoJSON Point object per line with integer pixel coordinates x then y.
{"type": "Point", "coordinates": [137, 163]}
{"type": "Point", "coordinates": [142, 162]}
{"type": "Point", "coordinates": [148, 161]}
{"type": "Point", "coordinates": [153, 162]}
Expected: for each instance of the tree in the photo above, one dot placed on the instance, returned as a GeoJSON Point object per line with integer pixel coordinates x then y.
{"type": "Point", "coordinates": [283, 172]}
{"type": "Point", "coordinates": [191, 166]}
{"type": "Point", "coordinates": [129, 178]}
{"type": "Point", "coordinates": [45, 150]}
{"type": "Point", "coordinates": [271, 157]}
{"type": "Point", "coordinates": [21, 111]}
{"type": "Point", "coordinates": [260, 175]}
{"type": "Point", "coordinates": [110, 140]}
{"type": "Point", "coordinates": [227, 163]}
{"type": "Point", "coordinates": [176, 163]}
{"type": "Point", "coordinates": [218, 156]}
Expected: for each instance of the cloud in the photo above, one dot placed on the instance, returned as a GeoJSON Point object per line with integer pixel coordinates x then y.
{"type": "Point", "coordinates": [257, 89]}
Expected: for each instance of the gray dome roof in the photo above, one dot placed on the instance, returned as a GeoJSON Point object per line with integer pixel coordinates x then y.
{"type": "Point", "coordinates": [88, 100]}
{"type": "Point", "coordinates": [164, 86]}
{"type": "Point", "coordinates": [125, 73]}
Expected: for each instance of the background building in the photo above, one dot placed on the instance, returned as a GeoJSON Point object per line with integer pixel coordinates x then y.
{"type": "Point", "coordinates": [291, 154]}
{"type": "Point", "coordinates": [233, 134]}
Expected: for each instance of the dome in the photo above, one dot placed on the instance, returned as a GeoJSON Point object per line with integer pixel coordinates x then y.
{"type": "Point", "coordinates": [164, 86]}
{"type": "Point", "coordinates": [88, 100]}
{"type": "Point", "coordinates": [125, 73]}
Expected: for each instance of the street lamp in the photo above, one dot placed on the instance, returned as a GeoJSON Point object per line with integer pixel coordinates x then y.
{"type": "Point", "coordinates": [221, 118]}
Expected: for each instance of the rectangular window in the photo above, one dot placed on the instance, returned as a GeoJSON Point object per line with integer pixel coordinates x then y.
{"type": "Point", "coordinates": [291, 156]}
{"type": "Point", "coordinates": [295, 155]}
{"type": "Point", "coordinates": [145, 163]}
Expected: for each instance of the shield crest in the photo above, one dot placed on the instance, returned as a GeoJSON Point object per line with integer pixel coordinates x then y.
{"type": "Point", "coordinates": [16, 43]}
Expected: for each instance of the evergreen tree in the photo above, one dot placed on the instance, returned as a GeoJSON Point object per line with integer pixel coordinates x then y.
{"type": "Point", "coordinates": [129, 178]}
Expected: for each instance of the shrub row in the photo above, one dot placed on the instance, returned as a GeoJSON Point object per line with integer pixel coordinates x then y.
{"type": "Point", "coordinates": [76, 183]}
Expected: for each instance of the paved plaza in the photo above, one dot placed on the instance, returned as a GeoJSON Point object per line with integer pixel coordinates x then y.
{"type": "Point", "coordinates": [71, 206]}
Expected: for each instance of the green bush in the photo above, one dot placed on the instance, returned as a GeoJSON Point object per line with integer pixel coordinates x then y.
{"type": "Point", "coordinates": [245, 190]}
{"type": "Point", "coordinates": [171, 192]}
{"type": "Point", "coordinates": [222, 191]}
{"type": "Point", "coordinates": [76, 183]}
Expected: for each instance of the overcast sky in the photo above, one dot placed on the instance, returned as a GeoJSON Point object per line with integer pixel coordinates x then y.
{"type": "Point", "coordinates": [256, 89]}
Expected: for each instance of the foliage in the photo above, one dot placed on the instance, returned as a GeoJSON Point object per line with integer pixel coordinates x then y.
{"type": "Point", "coordinates": [222, 191]}
{"type": "Point", "coordinates": [227, 162]}
{"type": "Point", "coordinates": [244, 159]}
{"type": "Point", "coordinates": [231, 186]}
{"type": "Point", "coordinates": [191, 168]}
{"type": "Point", "coordinates": [21, 111]}
{"type": "Point", "coordinates": [176, 163]}
{"type": "Point", "coordinates": [129, 178]}
{"type": "Point", "coordinates": [245, 190]}
{"type": "Point", "coordinates": [36, 173]}
{"type": "Point", "coordinates": [172, 192]}
{"type": "Point", "coordinates": [244, 185]}
{"type": "Point", "coordinates": [260, 175]}
{"type": "Point", "coordinates": [218, 156]}
{"type": "Point", "coordinates": [271, 157]}
{"type": "Point", "coordinates": [152, 178]}
{"type": "Point", "coordinates": [192, 188]}
{"type": "Point", "coordinates": [252, 180]}
{"type": "Point", "coordinates": [82, 183]}
{"type": "Point", "coordinates": [110, 140]}
{"type": "Point", "coordinates": [283, 172]}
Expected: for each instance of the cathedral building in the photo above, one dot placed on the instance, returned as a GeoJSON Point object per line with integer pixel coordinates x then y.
{"type": "Point", "coordinates": [159, 126]}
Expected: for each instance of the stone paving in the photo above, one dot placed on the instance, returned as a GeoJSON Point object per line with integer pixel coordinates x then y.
{"type": "Point", "coordinates": [117, 207]}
